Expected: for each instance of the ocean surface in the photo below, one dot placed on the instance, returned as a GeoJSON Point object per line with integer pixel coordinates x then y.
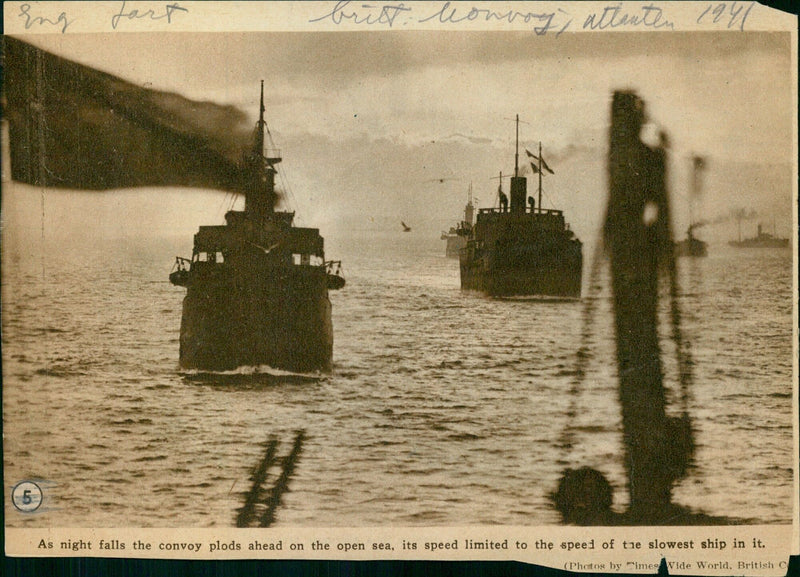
{"type": "Point", "coordinates": [444, 408]}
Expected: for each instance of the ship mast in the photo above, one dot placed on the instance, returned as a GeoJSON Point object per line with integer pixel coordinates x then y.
{"type": "Point", "coordinates": [469, 209]}
{"type": "Point", "coordinates": [518, 183]}
{"type": "Point", "coordinates": [259, 140]}
{"type": "Point", "coordinates": [516, 151]}
{"type": "Point", "coordinates": [260, 172]}
{"type": "Point", "coordinates": [539, 205]}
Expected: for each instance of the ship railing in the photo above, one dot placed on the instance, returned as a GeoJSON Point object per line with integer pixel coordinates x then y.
{"type": "Point", "coordinates": [545, 211]}
{"type": "Point", "coordinates": [333, 267]}
{"type": "Point", "coordinates": [181, 264]}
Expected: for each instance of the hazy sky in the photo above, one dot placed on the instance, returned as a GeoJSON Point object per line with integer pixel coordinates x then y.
{"type": "Point", "coordinates": [367, 120]}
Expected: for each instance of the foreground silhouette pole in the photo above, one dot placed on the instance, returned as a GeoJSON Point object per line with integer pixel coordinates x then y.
{"type": "Point", "coordinates": [639, 244]}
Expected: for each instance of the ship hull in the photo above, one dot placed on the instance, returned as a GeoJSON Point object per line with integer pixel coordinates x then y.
{"type": "Point", "coordinates": [455, 243]}
{"type": "Point", "coordinates": [524, 270]}
{"type": "Point", "coordinates": [691, 247]}
{"type": "Point", "coordinates": [755, 243]}
{"type": "Point", "coordinates": [278, 316]}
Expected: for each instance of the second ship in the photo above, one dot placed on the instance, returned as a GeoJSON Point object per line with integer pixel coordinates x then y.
{"type": "Point", "coordinates": [457, 236]}
{"type": "Point", "coordinates": [521, 249]}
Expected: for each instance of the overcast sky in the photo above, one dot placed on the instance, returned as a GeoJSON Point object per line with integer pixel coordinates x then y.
{"type": "Point", "coordinates": [367, 120]}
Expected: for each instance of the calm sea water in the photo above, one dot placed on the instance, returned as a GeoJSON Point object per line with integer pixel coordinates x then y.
{"type": "Point", "coordinates": [444, 408]}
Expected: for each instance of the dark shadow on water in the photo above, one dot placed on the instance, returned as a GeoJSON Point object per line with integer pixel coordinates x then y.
{"type": "Point", "coordinates": [249, 381]}
{"type": "Point", "coordinates": [584, 497]}
{"type": "Point", "coordinates": [537, 299]}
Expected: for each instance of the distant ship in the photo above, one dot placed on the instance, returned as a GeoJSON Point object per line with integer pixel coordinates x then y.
{"type": "Point", "coordinates": [691, 246]}
{"type": "Point", "coordinates": [257, 287]}
{"type": "Point", "coordinates": [522, 250]}
{"type": "Point", "coordinates": [457, 236]}
{"type": "Point", "coordinates": [761, 240]}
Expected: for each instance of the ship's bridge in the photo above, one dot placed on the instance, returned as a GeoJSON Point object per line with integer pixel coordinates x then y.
{"type": "Point", "coordinates": [291, 245]}
{"type": "Point", "coordinates": [549, 219]}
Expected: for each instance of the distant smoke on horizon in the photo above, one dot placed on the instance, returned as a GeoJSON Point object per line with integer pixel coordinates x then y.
{"type": "Point", "coordinates": [736, 214]}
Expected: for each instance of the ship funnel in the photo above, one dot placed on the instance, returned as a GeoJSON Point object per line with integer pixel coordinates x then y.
{"type": "Point", "coordinates": [519, 190]}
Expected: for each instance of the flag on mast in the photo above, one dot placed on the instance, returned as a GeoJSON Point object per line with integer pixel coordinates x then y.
{"type": "Point", "coordinates": [539, 159]}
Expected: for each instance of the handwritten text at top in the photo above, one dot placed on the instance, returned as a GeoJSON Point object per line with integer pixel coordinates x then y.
{"type": "Point", "coordinates": [615, 15]}
{"type": "Point", "coordinates": [39, 21]}
{"type": "Point", "coordinates": [729, 13]}
{"type": "Point", "coordinates": [150, 14]}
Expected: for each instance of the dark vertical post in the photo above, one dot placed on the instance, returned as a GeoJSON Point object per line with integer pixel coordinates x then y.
{"type": "Point", "coordinates": [540, 176]}
{"type": "Point", "coordinates": [258, 149]}
{"type": "Point", "coordinates": [516, 151]}
{"type": "Point", "coordinates": [637, 246]}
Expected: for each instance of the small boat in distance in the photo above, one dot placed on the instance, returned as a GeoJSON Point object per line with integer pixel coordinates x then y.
{"type": "Point", "coordinates": [457, 236]}
{"type": "Point", "coordinates": [691, 246]}
{"type": "Point", "coordinates": [406, 228]}
{"type": "Point", "coordinates": [522, 249]}
{"type": "Point", "coordinates": [761, 240]}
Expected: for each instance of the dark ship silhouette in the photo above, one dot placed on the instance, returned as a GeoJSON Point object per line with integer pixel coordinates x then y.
{"type": "Point", "coordinates": [457, 236]}
{"type": "Point", "coordinates": [522, 250]}
{"type": "Point", "coordinates": [761, 240]}
{"type": "Point", "coordinates": [257, 286]}
{"type": "Point", "coordinates": [693, 246]}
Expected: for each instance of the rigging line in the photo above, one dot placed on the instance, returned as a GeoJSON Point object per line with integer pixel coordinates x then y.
{"type": "Point", "coordinates": [547, 196]}
{"type": "Point", "coordinates": [683, 350]}
{"type": "Point", "coordinates": [222, 204]}
{"type": "Point", "coordinates": [567, 438]}
{"type": "Point", "coordinates": [283, 178]}
{"type": "Point", "coordinates": [285, 182]}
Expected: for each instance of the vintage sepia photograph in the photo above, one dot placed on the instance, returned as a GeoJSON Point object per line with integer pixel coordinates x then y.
{"type": "Point", "coordinates": [398, 278]}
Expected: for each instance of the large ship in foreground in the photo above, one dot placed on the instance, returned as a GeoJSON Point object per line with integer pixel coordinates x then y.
{"type": "Point", "coordinates": [522, 250]}
{"type": "Point", "coordinates": [457, 236]}
{"type": "Point", "coordinates": [257, 286]}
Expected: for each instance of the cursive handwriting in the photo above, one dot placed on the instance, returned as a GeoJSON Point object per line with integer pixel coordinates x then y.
{"type": "Point", "coordinates": [386, 14]}
{"type": "Point", "coordinates": [732, 14]}
{"type": "Point", "coordinates": [135, 14]}
{"type": "Point", "coordinates": [730, 10]}
{"type": "Point", "coordinates": [25, 12]}
{"type": "Point", "coordinates": [448, 15]}
{"type": "Point", "coordinates": [650, 16]}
